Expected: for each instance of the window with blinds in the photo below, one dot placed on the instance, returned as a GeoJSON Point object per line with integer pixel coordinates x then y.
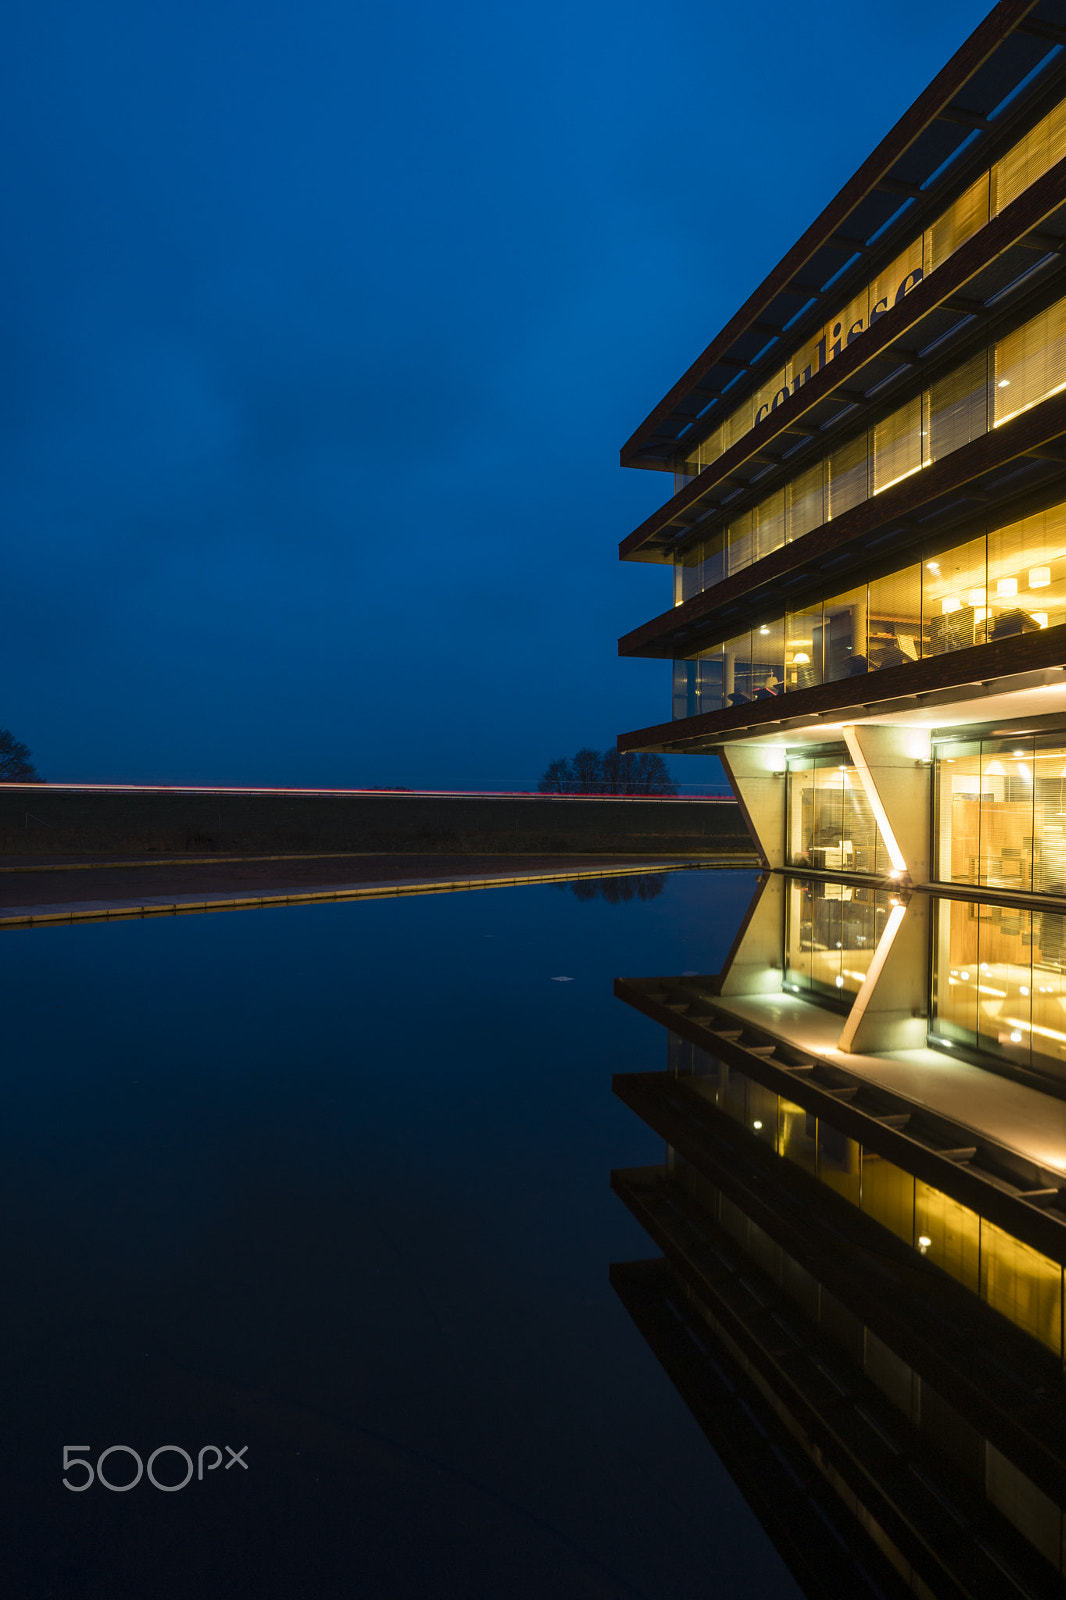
{"type": "Point", "coordinates": [713, 559]}
{"type": "Point", "coordinates": [844, 637]}
{"type": "Point", "coordinates": [886, 286]}
{"type": "Point", "coordinates": [894, 619]}
{"type": "Point", "coordinates": [1030, 158]}
{"type": "Point", "coordinates": [955, 598]}
{"type": "Point", "coordinates": [768, 660]}
{"type": "Point", "coordinates": [738, 538]}
{"type": "Point", "coordinates": [804, 502]}
{"type": "Point", "coordinates": [738, 682]}
{"type": "Point", "coordinates": [686, 575]}
{"type": "Point", "coordinates": [958, 407]}
{"type": "Point", "coordinates": [803, 648]}
{"type": "Point", "coordinates": [958, 223]}
{"type": "Point", "coordinates": [847, 477]}
{"type": "Point", "coordinates": [897, 442]}
{"type": "Point", "coordinates": [768, 525]}
{"type": "Point", "coordinates": [1030, 363]}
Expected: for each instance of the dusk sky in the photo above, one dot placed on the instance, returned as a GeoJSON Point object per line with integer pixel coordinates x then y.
{"type": "Point", "coordinates": [323, 326]}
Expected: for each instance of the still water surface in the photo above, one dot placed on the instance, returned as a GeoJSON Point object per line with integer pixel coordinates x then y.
{"type": "Point", "coordinates": [332, 1182]}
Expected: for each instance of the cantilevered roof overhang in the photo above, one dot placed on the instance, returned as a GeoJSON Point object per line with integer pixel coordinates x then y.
{"type": "Point", "coordinates": [1013, 55]}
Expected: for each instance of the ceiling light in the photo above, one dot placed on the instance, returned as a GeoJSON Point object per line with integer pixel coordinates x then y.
{"type": "Point", "coordinates": [1007, 586]}
{"type": "Point", "coordinates": [932, 566]}
{"type": "Point", "coordinates": [950, 604]}
{"type": "Point", "coordinates": [1039, 577]}
{"type": "Point", "coordinates": [1004, 383]}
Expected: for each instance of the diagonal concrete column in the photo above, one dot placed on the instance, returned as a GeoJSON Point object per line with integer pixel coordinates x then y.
{"type": "Point", "coordinates": [889, 1012]}
{"type": "Point", "coordinates": [753, 965]}
{"type": "Point", "coordinates": [891, 763]}
{"type": "Point", "coordinates": [758, 778]}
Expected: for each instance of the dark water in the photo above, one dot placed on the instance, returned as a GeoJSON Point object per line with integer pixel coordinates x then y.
{"type": "Point", "coordinates": [332, 1183]}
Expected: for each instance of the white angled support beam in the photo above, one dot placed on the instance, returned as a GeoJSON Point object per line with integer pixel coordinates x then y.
{"type": "Point", "coordinates": [753, 966]}
{"type": "Point", "coordinates": [757, 776]}
{"type": "Point", "coordinates": [892, 764]}
{"type": "Point", "coordinates": [889, 1012]}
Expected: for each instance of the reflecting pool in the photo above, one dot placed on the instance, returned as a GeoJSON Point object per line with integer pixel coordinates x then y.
{"type": "Point", "coordinates": [323, 1193]}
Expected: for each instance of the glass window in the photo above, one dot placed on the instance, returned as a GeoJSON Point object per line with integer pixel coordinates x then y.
{"type": "Point", "coordinates": [1022, 1284]}
{"type": "Point", "coordinates": [798, 935]}
{"type": "Point", "coordinates": [1049, 819]}
{"type": "Point", "coordinates": [844, 635]}
{"type": "Point", "coordinates": [800, 811]}
{"type": "Point", "coordinates": [846, 477]}
{"type": "Point", "coordinates": [954, 599]}
{"type": "Point", "coordinates": [1027, 574]}
{"type": "Point", "coordinates": [958, 811]}
{"type": "Point", "coordinates": [710, 686]}
{"type": "Point", "coordinates": [897, 445]}
{"type": "Point", "coordinates": [958, 407]}
{"type": "Point", "coordinates": [738, 683]}
{"type": "Point", "coordinates": [1030, 158]}
{"type": "Point", "coordinates": [947, 1234]}
{"type": "Point", "coordinates": [1006, 860]}
{"type": "Point", "coordinates": [1049, 993]}
{"type": "Point", "coordinates": [955, 972]}
{"type": "Point", "coordinates": [768, 660]}
{"type": "Point", "coordinates": [799, 1136]}
{"type": "Point", "coordinates": [959, 222]}
{"type": "Point", "coordinates": [1030, 363]}
{"type": "Point", "coordinates": [713, 558]}
{"type": "Point", "coordinates": [768, 525]}
{"type": "Point", "coordinates": [738, 538]}
{"type": "Point", "coordinates": [804, 502]}
{"type": "Point", "coordinates": [686, 575]}
{"type": "Point", "coordinates": [888, 1195]}
{"type": "Point", "coordinates": [894, 619]}
{"type": "Point", "coordinates": [803, 648]}
{"type": "Point", "coordinates": [1004, 982]}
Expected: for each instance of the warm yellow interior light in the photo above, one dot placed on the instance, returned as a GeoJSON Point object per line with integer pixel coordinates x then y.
{"type": "Point", "coordinates": [952, 603]}
{"type": "Point", "coordinates": [1039, 577]}
{"type": "Point", "coordinates": [1006, 586]}
{"type": "Point", "coordinates": [976, 597]}
{"type": "Point", "coordinates": [801, 660]}
{"type": "Point", "coordinates": [1040, 618]}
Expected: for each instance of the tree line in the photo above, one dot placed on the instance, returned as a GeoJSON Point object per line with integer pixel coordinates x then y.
{"type": "Point", "coordinates": [608, 772]}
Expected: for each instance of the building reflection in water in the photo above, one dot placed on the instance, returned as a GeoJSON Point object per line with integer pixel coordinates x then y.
{"type": "Point", "coordinates": [860, 1299]}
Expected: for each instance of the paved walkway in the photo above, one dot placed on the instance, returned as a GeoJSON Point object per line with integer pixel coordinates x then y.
{"type": "Point", "coordinates": [34, 891]}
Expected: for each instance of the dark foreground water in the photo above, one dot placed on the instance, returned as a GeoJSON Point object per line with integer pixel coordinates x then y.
{"type": "Point", "coordinates": [331, 1184]}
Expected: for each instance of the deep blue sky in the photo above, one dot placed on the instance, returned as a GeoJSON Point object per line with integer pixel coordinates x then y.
{"type": "Point", "coordinates": [323, 325]}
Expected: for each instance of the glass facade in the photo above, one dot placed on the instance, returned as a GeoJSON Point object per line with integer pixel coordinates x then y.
{"type": "Point", "coordinates": [995, 585]}
{"type": "Point", "coordinates": [831, 933]}
{"type": "Point", "coordinates": [1000, 809]}
{"type": "Point", "coordinates": [1016, 373]}
{"type": "Point", "coordinates": [1019, 1282]}
{"type": "Point", "coordinates": [999, 982]}
{"type": "Point", "coordinates": [1027, 161]}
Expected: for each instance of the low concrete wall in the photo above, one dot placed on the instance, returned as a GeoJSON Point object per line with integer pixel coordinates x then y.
{"type": "Point", "coordinates": [53, 820]}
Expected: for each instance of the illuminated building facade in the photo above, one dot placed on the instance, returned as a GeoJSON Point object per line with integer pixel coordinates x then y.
{"type": "Point", "coordinates": [867, 538]}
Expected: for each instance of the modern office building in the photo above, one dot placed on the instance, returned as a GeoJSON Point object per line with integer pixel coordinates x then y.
{"type": "Point", "coordinates": [867, 537]}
